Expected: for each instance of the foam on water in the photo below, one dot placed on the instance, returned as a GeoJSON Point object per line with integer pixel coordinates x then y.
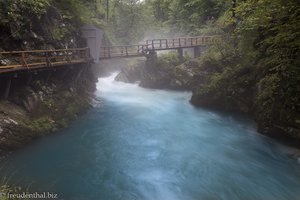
{"type": "Point", "coordinates": [152, 144]}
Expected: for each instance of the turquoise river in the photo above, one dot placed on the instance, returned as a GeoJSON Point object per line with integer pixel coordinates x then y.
{"type": "Point", "coordinates": [145, 144]}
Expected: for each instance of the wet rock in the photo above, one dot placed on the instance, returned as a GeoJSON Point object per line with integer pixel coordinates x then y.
{"type": "Point", "coordinates": [122, 77]}
{"type": "Point", "coordinates": [4, 62]}
{"type": "Point", "coordinates": [131, 73]}
{"type": "Point", "coordinates": [31, 102]}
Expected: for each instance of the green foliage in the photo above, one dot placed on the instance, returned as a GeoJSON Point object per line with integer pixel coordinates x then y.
{"type": "Point", "coordinates": [40, 125]}
{"type": "Point", "coordinates": [160, 9]}
{"type": "Point", "coordinates": [13, 10]}
{"type": "Point", "coordinates": [40, 23]}
{"type": "Point", "coordinates": [183, 16]}
{"type": "Point", "coordinates": [190, 15]}
{"type": "Point", "coordinates": [170, 59]}
{"type": "Point", "coordinates": [17, 14]}
{"type": "Point", "coordinates": [127, 21]}
{"type": "Point", "coordinates": [276, 41]}
{"type": "Point", "coordinates": [6, 189]}
{"type": "Point", "coordinates": [267, 96]}
{"type": "Point", "coordinates": [79, 10]}
{"type": "Point", "coordinates": [221, 74]}
{"type": "Point", "coordinates": [62, 33]}
{"type": "Point", "coordinates": [257, 63]}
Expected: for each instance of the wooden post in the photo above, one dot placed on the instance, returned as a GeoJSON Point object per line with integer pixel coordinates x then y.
{"type": "Point", "coordinates": [87, 54]}
{"type": "Point", "coordinates": [173, 42]}
{"type": "Point", "coordinates": [7, 88]}
{"type": "Point", "coordinates": [152, 44]}
{"type": "Point", "coordinates": [126, 49]}
{"type": "Point", "coordinates": [179, 42]}
{"type": "Point", "coordinates": [206, 40]}
{"type": "Point", "coordinates": [47, 59]}
{"type": "Point", "coordinates": [104, 52]}
{"type": "Point", "coordinates": [68, 56]}
{"type": "Point", "coordinates": [23, 59]}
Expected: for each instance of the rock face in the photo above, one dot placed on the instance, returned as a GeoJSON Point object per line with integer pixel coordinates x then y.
{"type": "Point", "coordinates": [131, 73]}
{"type": "Point", "coordinates": [239, 89]}
{"type": "Point", "coordinates": [161, 73]}
{"type": "Point", "coordinates": [43, 106]}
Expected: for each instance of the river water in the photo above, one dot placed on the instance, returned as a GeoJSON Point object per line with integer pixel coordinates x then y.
{"type": "Point", "coordinates": [149, 144]}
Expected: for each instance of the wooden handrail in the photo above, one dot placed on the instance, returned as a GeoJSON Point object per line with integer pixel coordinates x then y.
{"type": "Point", "coordinates": [43, 51]}
{"type": "Point", "coordinates": [54, 57]}
{"type": "Point", "coordinates": [154, 44]}
{"type": "Point", "coordinates": [45, 58]}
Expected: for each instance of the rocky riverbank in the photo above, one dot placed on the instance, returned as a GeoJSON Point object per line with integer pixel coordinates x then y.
{"type": "Point", "coordinates": [235, 89]}
{"type": "Point", "coordinates": [166, 72]}
{"type": "Point", "coordinates": [44, 105]}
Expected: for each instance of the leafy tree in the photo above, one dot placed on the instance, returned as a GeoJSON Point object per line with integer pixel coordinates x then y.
{"type": "Point", "coordinates": [126, 22]}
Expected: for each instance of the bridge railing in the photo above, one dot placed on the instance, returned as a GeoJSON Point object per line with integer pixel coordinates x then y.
{"type": "Point", "coordinates": [122, 51]}
{"type": "Point", "coordinates": [43, 58]}
{"type": "Point", "coordinates": [162, 44]}
{"type": "Point", "coordinates": [155, 44]}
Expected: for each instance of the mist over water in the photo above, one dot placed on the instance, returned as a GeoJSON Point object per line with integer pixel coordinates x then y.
{"type": "Point", "coordinates": [149, 144]}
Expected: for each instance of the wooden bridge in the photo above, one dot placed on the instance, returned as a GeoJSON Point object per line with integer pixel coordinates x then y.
{"type": "Point", "coordinates": [154, 45]}
{"type": "Point", "coordinates": [15, 61]}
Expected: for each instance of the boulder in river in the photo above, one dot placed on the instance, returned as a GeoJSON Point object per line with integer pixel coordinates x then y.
{"type": "Point", "coordinates": [132, 72]}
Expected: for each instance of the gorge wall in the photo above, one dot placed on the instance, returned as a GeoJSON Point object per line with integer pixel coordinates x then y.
{"type": "Point", "coordinates": [42, 103]}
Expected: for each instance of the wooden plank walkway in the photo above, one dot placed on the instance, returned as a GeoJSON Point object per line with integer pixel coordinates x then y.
{"type": "Point", "coordinates": [15, 61]}
{"type": "Point", "coordinates": [36, 59]}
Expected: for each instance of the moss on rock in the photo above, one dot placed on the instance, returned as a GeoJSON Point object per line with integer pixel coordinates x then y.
{"type": "Point", "coordinates": [42, 107]}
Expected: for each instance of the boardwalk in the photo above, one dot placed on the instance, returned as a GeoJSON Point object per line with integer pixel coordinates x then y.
{"type": "Point", "coordinates": [34, 59]}
{"type": "Point", "coordinates": [15, 61]}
